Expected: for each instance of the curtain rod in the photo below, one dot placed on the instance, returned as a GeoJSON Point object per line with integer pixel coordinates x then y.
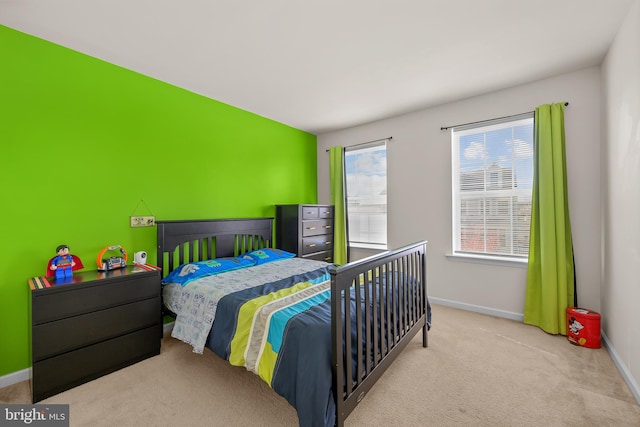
{"type": "Point", "coordinates": [389, 138]}
{"type": "Point", "coordinates": [489, 120]}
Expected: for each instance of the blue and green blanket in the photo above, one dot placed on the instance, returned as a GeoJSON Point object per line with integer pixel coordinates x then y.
{"type": "Point", "coordinates": [275, 320]}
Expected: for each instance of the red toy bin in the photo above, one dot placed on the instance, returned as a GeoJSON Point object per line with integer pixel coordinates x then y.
{"type": "Point", "coordinates": [583, 327]}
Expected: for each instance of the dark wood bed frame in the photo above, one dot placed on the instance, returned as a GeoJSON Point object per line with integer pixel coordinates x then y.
{"type": "Point", "coordinates": [180, 242]}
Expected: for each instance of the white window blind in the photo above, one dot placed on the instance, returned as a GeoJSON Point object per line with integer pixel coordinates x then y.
{"type": "Point", "coordinates": [366, 187]}
{"type": "Point", "coordinates": [492, 166]}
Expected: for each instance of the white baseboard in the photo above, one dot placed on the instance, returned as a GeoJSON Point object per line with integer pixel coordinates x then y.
{"type": "Point", "coordinates": [14, 377]}
{"type": "Point", "coordinates": [622, 368]}
{"type": "Point", "coordinates": [478, 309]}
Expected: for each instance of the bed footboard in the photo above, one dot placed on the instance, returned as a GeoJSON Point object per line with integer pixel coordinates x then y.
{"type": "Point", "coordinates": [378, 305]}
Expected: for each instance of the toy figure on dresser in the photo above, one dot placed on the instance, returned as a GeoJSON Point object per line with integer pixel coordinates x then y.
{"type": "Point", "coordinates": [64, 264]}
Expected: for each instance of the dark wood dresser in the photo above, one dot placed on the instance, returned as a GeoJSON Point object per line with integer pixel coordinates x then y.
{"type": "Point", "coordinates": [306, 230]}
{"type": "Point", "coordinates": [91, 324]}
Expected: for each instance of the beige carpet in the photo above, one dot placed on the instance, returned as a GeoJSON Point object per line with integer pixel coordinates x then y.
{"type": "Point", "coordinates": [477, 371]}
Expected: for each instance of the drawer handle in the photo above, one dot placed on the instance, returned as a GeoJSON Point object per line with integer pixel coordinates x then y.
{"type": "Point", "coordinates": [328, 212]}
{"type": "Point", "coordinates": [311, 228]}
{"type": "Point", "coordinates": [312, 245]}
{"type": "Point", "coordinates": [327, 226]}
{"type": "Point", "coordinates": [327, 243]}
{"type": "Point", "coordinates": [327, 258]}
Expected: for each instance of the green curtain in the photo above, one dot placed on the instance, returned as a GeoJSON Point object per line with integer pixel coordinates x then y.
{"type": "Point", "coordinates": [336, 162]}
{"type": "Point", "coordinates": [550, 275]}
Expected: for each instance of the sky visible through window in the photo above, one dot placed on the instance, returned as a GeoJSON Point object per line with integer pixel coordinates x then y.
{"type": "Point", "coordinates": [366, 176]}
{"type": "Point", "coordinates": [506, 148]}
{"type": "Point", "coordinates": [366, 172]}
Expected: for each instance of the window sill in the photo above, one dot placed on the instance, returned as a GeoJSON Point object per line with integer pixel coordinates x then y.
{"type": "Point", "coordinates": [479, 259]}
{"type": "Point", "coordinates": [368, 246]}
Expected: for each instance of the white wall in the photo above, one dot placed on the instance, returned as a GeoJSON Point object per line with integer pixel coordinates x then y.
{"type": "Point", "coordinates": [419, 187]}
{"type": "Point", "coordinates": [621, 198]}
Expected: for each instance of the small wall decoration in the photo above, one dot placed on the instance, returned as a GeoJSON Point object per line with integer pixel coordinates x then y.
{"type": "Point", "coordinates": [142, 220]}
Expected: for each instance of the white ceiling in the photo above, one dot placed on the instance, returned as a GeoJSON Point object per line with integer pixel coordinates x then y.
{"type": "Point", "coordinates": [323, 65]}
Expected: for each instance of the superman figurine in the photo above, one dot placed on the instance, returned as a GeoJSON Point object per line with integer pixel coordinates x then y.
{"type": "Point", "coordinates": [63, 264]}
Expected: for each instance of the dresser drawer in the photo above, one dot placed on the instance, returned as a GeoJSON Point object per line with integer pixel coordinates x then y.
{"type": "Point", "coordinates": [317, 244]}
{"type": "Point", "coordinates": [52, 338]}
{"type": "Point", "coordinates": [326, 256]}
{"type": "Point", "coordinates": [56, 374]}
{"type": "Point", "coordinates": [325, 212]}
{"type": "Point", "coordinates": [314, 228]}
{"type": "Point", "coordinates": [75, 300]}
{"type": "Point", "coordinates": [310, 212]}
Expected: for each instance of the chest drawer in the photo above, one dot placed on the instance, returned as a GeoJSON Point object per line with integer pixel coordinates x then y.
{"type": "Point", "coordinates": [317, 244]}
{"type": "Point", "coordinates": [326, 256]}
{"type": "Point", "coordinates": [74, 332]}
{"type": "Point", "coordinates": [310, 212]}
{"type": "Point", "coordinates": [75, 301]}
{"type": "Point", "coordinates": [325, 212]}
{"type": "Point", "coordinates": [55, 374]}
{"type": "Point", "coordinates": [315, 228]}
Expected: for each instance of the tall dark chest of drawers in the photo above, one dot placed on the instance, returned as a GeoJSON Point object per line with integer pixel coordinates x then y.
{"type": "Point", "coordinates": [306, 230]}
{"type": "Point", "coordinates": [94, 324]}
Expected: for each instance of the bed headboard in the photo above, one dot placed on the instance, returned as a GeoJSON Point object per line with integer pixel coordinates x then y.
{"type": "Point", "coordinates": [184, 241]}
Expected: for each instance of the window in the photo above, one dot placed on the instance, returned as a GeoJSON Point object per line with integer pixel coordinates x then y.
{"type": "Point", "coordinates": [492, 183]}
{"type": "Point", "coordinates": [366, 188]}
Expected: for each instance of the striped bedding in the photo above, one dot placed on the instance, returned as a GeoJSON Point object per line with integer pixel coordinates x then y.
{"type": "Point", "coordinates": [275, 320]}
{"type": "Point", "coordinates": [196, 304]}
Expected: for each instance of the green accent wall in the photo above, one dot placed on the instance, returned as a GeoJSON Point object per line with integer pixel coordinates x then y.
{"type": "Point", "coordinates": [84, 142]}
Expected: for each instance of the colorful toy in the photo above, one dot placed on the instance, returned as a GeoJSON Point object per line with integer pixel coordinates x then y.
{"type": "Point", "coordinates": [64, 264]}
{"type": "Point", "coordinates": [113, 262]}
